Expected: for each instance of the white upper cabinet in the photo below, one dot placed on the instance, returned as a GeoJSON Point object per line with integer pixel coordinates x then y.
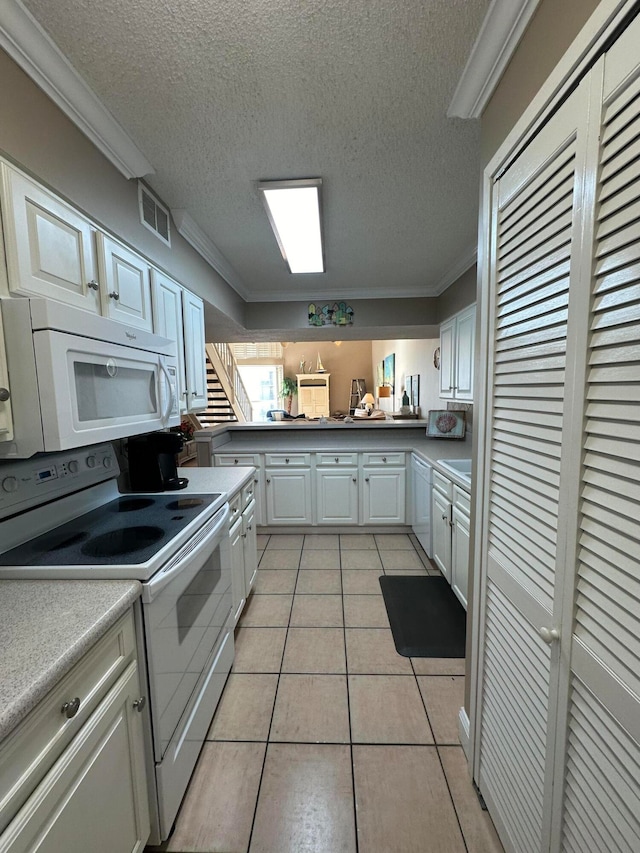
{"type": "Point", "coordinates": [49, 245]}
{"type": "Point", "coordinates": [457, 343]}
{"type": "Point", "coordinates": [126, 294]}
{"type": "Point", "coordinates": [167, 321]}
{"type": "Point", "coordinates": [194, 352]}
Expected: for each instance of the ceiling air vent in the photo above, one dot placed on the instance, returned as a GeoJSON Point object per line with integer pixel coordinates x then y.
{"type": "Point", "coordinates": [153, 214]}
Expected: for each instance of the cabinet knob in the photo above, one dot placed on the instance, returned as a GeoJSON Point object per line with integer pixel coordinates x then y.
{"type": "Point", "coordinates": [268, 480]}
{"type": "Point", "coordinates": [549, 635]}
{"type": "Point", "coordinates": [71, 708]}
{"type": "Point", "coordinates": [366, 479]}
{"type": "Point", "coordinates": [337, 459]}
{"type": "Point", "coordinates": [249, 527]}
{"type": "Point", "coordinates": [255, 479]}
{"type": "Point", "coordinates": [445, 517]}
{"type": "Point", "coordinates": [355, 479]}
{"type": "Point", "coordinates": [287, 460]}
{"type": "Point", "coordinates": [235, 461]}
{"type": "Point", "coordinates": [140, 703]}
{"type": "Point", "coordinates": [384, 458]}
{"type": "Point", "coordinates": [4, 395]}
{"type": "Point", "coordinates": [93, 284]}
{"type": "Point", "coordinates": [114, 295]}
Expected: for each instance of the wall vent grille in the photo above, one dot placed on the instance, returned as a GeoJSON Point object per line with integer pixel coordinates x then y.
{"type": "Point", "coordinates": [153, 214]}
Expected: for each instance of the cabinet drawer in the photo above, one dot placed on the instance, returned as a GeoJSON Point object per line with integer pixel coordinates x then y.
{"type": "Point", "coordinates": [247, 459]}
{"type": "Point", "coordinates": [281, 460]}
{"type": "Point", "coordinates": [248, 493]}
{"type": "Point", "coordinates": [383, 458]}
{"type": "Point", "coordinates": [30, 750]}
{"type": "Point", "coordinates": [462, 500]}
{"type": "Point", "coordinates": [442, 484]}
{"type": "Point", "coordinates": [334, 459]}
{"type": "Point", "coordinates": [235, 507]}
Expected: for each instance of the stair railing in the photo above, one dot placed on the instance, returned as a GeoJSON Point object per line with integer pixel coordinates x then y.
{"type": "Point", "coordinates": [224, 363]}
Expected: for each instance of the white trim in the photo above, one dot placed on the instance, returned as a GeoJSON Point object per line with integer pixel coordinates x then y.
{"type": "Point", "coordinates": [204, 245]}
{"type": "Point", "coordinates": [22, 37]}
{"type": "Point", "coordinates": [500, 33]}
{"type": "Point", "coordinates": [466, 262]}
{"type": "Point", "coordinates": [463, 731]}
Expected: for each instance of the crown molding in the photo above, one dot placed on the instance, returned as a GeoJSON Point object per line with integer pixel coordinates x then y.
{"type": "Point", "coordinates": [465, 263]}
{"type": "Point", "coordinates": [204, 245]}
{"type": "Point", "coordinates": [501, 30]}
{"type": "Point", "coordinates": [340, 295]}
{"type": "Point", "coordinates": [22, 37]}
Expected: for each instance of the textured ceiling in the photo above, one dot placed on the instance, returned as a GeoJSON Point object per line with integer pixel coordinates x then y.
{"type": "Point", "coordinates": [219, 95]}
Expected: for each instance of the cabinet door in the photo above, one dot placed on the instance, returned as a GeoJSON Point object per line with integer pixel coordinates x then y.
{"type": "Point", "coordinates": [95, 796]}
{"type": "Point", "coordinates": [441, 517]}
{"type": "Point", "coordinates": [383, 496]}
{"type": "Point", "coordinates": [49, 246]}
{"type": "Point", "coordinates": [421, 505]}
{"type": "Point", "coordinates": [194, 352]}
{"type": "Point", "coordinates": [447, 359]}
{"type": "Point", "coordinates": [460, 555]}
{"type": "Point", "coordinates": [6, 416]}
{"type": "Point", "coordinates": [127, 285]}
{"type": "Point", "coordinates": [238, 591]}
{"type": "Point", "coordinates": [465, 347]}
{"type": "Point", "coordinates": [167, 321]}
{"type": "Point", "coordinates": [288, 496]}
{"type": "Point", "coordinates": [250, 547]}
{"type": "Point", "coordinates": [337, 496]}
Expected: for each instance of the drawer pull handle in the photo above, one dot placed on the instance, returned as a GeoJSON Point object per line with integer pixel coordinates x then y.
{"type": "Point", "coordinates": [140, 703]}
{"type": "Point", "coordinates": [70, 709]}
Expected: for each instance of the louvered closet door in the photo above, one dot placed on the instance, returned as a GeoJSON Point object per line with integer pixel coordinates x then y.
{"type": "Point", "coordinates": [535, 223]}
{"type": "Point", "coordinates": [602, 773]}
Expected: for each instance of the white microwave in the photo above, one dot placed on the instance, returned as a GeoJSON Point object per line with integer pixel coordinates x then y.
{"type": "Point", "coordinates": [76, 378]}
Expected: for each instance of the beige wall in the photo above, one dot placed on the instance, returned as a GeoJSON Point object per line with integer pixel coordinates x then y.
{"type": "Point", "coordinates": [350, 360]}
{"type": "Point", "coordinates": [459, 295]}
{"type": "Point", "coordinates": [36, 135]}
{"type": "Point", "coordinates": [412, 357]}
{"type": "Point", "coordinates": [552, 29]}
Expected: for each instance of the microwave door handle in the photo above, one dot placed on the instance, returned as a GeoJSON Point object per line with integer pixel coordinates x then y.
{"type": "Point", "coordinates": [163, 578]}
{"type": "Point", "coordinates": [169, 407]}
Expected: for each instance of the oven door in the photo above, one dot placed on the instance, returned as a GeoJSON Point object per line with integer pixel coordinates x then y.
{"type": "Point", "coordinates": [186, 609]}
{"type": "Point", "coordinates": [93, 391]}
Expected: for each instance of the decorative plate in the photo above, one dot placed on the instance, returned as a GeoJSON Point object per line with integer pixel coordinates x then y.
{"type": "Point", "coordinates": [436, 358]}
{"type": "Point", "coordinates": [446, 423]}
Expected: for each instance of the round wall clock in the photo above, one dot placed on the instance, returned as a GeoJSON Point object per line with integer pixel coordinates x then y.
{"type": "Point", "coordinates": [436, 358]}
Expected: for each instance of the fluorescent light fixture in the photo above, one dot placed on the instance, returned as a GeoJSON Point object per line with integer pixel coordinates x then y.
{"type": "Point", "coordinates": [293, 208]}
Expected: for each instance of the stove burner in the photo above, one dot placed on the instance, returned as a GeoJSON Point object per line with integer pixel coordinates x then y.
{"type": "Point", "coordinates": [58, 541]}
{"type": "Point", "coordinates": [125, 541]}
{"type": "Point", "coordinates": [132, 504]}
{"type": "Point", "coordinates": [185, 503]}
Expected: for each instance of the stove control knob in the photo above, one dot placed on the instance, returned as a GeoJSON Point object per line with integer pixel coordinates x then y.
{"type": "Point", "coordinates": [107, 462]}
{"type": "Point", "coordinates": [91, 461]}
{"type": "Point", "coordinates": [73, 466]}
{"type": "Point", "coordinates": [10, 484]}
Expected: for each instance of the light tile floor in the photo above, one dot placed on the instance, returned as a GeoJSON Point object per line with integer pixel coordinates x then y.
{"type": "Point", "coordinates": [325, 739]}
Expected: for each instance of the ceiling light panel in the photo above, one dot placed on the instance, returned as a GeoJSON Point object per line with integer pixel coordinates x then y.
{"type": "Point", "coordinates": [293, 208]}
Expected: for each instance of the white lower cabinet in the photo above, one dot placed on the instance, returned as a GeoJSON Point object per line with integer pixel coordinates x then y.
{"type": "Point", "coordinates": [249, 547]}
{"type": "Point", "coordinates": [441, 519]}
{"type": "Point", "coordinates": [243, 548]}
{"type": "Point", "coordinates": [382, 495]}
{"type": "Point", "coordinates": [236, 549]}
{"type": "Point", "coordinates": [460, 554]}
{"type": "Point", "coordinates": [255, 460]}
{"type": "Point", "coordinates": [288, 495]}
{"type": "Point", "coordinates": [94, 795]}
{"type": "Point", "coordinates": [337, 496]}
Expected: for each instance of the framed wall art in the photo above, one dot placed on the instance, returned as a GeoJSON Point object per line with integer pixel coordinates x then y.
{"type": "Point", "coordinates": [443, 423]}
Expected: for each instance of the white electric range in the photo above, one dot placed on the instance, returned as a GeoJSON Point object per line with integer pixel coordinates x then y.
{"type": "Point", "coordinates": [61, 516]}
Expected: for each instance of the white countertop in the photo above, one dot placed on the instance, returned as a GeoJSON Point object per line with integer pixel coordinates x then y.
{"type": "Point", "coordinates": [205, 480]}
{"type": "Point", "coordinates": [46, 626]}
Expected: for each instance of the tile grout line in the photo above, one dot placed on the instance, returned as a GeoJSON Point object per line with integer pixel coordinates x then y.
{"type": "Point", "coordinates": [275, 699]}
{"type": "Point", "coordinates": [346, 678]}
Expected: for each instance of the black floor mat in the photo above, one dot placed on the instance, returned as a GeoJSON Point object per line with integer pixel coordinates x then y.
{"type": "Point", "coordinates": [427, 620]}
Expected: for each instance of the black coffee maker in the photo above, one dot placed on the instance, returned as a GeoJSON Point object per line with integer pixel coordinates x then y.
{"type": "Point", "coordinates": [152, 462]}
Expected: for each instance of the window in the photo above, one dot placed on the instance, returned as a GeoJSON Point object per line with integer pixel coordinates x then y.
{"type": "Point", "coordinates": [263, 383]}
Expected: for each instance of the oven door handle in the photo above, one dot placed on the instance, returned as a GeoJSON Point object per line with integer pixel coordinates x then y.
{"type": "Point", "coordinates": [215, 529]}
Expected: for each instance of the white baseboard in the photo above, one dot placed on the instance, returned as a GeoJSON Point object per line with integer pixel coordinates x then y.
{"type": "Point", "coordinates": [463, 730]}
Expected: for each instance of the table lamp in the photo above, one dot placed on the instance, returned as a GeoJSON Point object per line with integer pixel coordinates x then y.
{"type": "Point", "coordinates": [383, 391]}
{"type": "Point", "coordinates": [368, 402]}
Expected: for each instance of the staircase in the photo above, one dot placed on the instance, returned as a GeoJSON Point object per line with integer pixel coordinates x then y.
{"type": "Point", "coordinates": [227, 398]}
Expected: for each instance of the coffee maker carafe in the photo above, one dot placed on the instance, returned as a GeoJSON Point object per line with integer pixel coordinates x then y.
{"type": "Point", "coordinates": [152, 462]}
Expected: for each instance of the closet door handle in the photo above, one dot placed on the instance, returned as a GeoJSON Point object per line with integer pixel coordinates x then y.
{"type": "Point", "coordinates": [549, 635]}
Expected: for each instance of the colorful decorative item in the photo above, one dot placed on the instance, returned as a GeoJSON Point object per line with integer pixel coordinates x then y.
{"type": "Point", "coordinates": [444, 423]}
{"type": "Point", "coordinates": [337, 314]}
{"type": "Point", "coordinates": [390, 371]}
